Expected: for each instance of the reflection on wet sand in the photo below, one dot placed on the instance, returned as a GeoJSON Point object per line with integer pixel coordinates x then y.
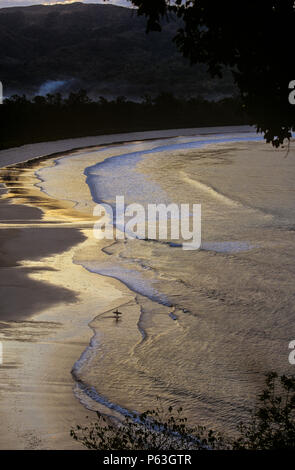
{"type": "Point", "coordinates": [197, 329]}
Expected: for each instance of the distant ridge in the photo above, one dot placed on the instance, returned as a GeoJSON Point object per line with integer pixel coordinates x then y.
{"type": "Point", "coordinates": [102, 48]}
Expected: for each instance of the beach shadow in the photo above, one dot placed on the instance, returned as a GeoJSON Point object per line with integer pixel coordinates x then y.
{"type": "Point", "coordinates": [21, 296]}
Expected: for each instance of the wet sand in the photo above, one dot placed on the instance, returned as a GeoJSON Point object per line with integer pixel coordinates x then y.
{"type": "Point", "coordinates": [52, 306]}
{"type": "Point", "coordinates": [212, 321]}
{"type": "Point", "coordinates": [46, 305]}
{"type": "Point", "coordinates": [47, 301]}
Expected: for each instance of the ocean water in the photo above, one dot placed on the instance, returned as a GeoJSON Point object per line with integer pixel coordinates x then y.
{"type": "Point", "coordinates": [203, 326]}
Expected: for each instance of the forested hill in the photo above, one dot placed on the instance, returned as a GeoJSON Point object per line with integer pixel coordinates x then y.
{"type": "Point", "coordinates": [102, 48]}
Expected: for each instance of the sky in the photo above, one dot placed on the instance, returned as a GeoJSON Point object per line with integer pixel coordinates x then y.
{"type": "Point", "coordinates": [17, 3]}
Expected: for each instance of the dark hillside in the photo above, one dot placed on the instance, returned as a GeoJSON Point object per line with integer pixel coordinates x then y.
{"type": "Point", "coordinates": [101, 48]}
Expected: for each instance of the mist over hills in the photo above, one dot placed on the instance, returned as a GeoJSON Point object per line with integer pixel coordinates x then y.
{"type": "Point", "coordinates": [101, 48]}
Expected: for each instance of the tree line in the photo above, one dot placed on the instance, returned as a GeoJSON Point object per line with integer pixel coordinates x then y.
{"type": "Point", "coordinates": [26, 120]}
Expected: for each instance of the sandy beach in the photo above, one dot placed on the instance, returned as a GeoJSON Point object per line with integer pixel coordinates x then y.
{"type": "Point", "coordinates": [43, 328]}
{"type": "Point", "coordinates": [52, 307]}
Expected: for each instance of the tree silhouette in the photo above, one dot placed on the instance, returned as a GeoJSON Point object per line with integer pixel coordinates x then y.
{"type": "Point", "coordinates": [254, 39]}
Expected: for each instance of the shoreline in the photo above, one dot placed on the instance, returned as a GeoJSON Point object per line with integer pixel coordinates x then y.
{"type": "Point", "coordinates": [61, 331]}
{"type": "Point", "coordinates": [50, 149]}
{"type": "Point", "coordinates": [40, 346]}
{"type": "Point", "coordinates": [43, 340]}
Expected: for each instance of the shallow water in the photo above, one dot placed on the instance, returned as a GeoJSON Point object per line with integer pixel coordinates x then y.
{"type": "Point", "coordinates": [204, 325]}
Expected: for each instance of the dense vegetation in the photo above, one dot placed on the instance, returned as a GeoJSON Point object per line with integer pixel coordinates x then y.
{"type": "Point", "coordinates": [252, 39]}
{"type": "Point", "coordinates": [271, 427]}
{"type": "Point", "coordinates": [101, 48]}
{"type": "Point", "coordinates": [24, 120]}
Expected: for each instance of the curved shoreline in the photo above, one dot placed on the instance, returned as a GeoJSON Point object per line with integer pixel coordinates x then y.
{"type": "Point", "coordinates": [45, 420]}
{"type": "Point", "coordinates": [29, 167]}
{"type": "Point", "coordinates": [41, 346]}
{"type": "Point", "coordinates": [84, 388]}
{"type": "Point", "coordinates": [59, 262]}
{"type": "Point", "coordinates": [50, 149]}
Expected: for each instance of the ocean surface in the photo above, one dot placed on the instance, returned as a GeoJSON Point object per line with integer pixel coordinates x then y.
{"type": "Point", "coordinates": [202, 327]}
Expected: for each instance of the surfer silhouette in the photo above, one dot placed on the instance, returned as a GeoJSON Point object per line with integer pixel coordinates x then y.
{"type": "Point", "coordinates": [117, 315]}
